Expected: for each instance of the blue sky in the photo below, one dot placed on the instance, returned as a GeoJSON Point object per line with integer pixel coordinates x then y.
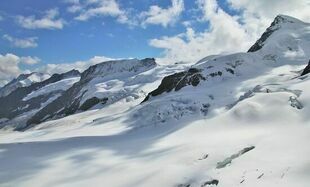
{"type": "Point", "coordinates": [101, 35]}
{"type": "Point", "coordinates": [36, 35]}
{"type": "Point", "coordinates": [80, 40]}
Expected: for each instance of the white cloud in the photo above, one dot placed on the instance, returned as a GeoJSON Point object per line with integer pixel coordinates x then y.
{"type": "Point", "coordinates": [50, 20]}
{"type": "Point", "coordinates": [78, 65]}
{"type": "Point", "coordinates": [257, 15]}
{"type": "Point", "coordinates": [98, 8]}
{"type": "Point", "coordinates": [223, 36]}
{"type": "Point", "coordinates": [160, 16]}
{"type": "Point", "coordinates": [156, 15]}
{"type": "Point", "coordinates": [74, 7]}
{"type": "Point", "coordinates": [9, 66]}
{"type": "Point", "coordinates": [186, 23]}
{"type": "Point", "coordinates": [29, 60]}
{"type": "Point", "coordinates": [21, 43]}
{"type": "Point", "coordinates": [226, 33]}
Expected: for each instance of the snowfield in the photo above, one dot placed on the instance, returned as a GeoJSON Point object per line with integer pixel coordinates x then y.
{"type": "Point", "coordinates": [60, 85]}
{"type": "Point", "coordinates": [237, 120]}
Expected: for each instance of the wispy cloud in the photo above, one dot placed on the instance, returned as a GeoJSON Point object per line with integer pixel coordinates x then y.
{"type": "Point", "coordinates": [160, 16]}
{"type": "Point", "coordinates": [78, 65]}
{"type": "Point", "coordinates": [9, 66]}
{"type": "Point", "coordinates": [50, 20]}
{"type": "Point", "coordinates": [155, 15]}
{"type": "Point", "coordinates": [29, 42]}
{"type": "Point", "coordinates": [223, 35]}
{"type": "Point", "coordinates": [75, 6]}
{"type": "Point", "coordinates": [98, 8]}
{"type": "Point", "coordinates": [30, 60]}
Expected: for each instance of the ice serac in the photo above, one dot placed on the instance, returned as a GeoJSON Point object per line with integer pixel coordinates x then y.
{"type": "Point", "coordinates": [102, 83]}
{"type": "Point", "coordinates": [281, 21]}
{"type": "Point", "coordinates": [22, 80]}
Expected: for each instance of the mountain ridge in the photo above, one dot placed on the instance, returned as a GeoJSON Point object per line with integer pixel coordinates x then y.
{"type": "Point", "coordinates": [94, 88]}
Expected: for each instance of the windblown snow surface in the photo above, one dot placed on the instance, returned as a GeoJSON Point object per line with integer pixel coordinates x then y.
{"type": "Point", "coordinates": [246, 128]}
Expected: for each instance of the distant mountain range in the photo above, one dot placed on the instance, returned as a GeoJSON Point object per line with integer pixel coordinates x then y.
{"type": "Point", "coordinates": [31, 99]}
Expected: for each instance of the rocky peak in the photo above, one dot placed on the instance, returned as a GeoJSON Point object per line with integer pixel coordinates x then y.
{"type": "Point", "coordinates": [280, 19]}
{"type": "Point", "coordinates": [277, 23]}
{"type": "Point", "coordinates": [306, 70]}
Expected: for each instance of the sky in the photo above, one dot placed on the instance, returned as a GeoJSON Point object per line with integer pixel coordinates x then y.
{"type": "Point", "coordinates": [58, 35]}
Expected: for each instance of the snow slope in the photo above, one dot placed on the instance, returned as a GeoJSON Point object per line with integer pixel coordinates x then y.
{"type": "Point", "coordinates": [60, 85]}
{"type": "Point", "coordinates": [235, 120]}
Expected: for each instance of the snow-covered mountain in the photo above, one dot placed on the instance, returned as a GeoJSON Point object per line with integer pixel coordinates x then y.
{"type": "Point", "coordinates": [228, 120]}
{"type": "Point", "coordinates": [98, 86]}
{"type": "Point", "coordinates": [23, 102]}
{"type": "Point", "coordinates": [22, 80]}
{"type": "Point", "coordinates": [284, 44]}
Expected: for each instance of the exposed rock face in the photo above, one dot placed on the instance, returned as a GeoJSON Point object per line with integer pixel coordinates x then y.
{"type": "Point", "coordinates": [213, 182]}
{"type": "Point", "coordinates": [275, 25]}
{"type": "Point", "coordinates": [92, 102]}
{"type": "Point", "coordinates": [306, 70]}
{"type": "Point", "coordinates": [177, 81]}
{"type": "Point", "coordinates": [228, 160]}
